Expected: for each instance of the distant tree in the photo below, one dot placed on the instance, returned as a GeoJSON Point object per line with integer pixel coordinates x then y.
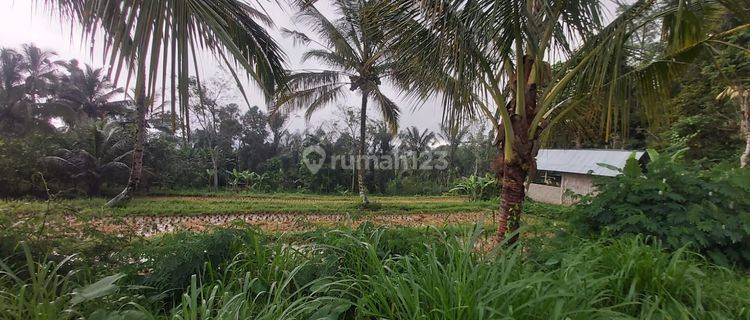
{"type": "Point", "coordinates": [88, 94]}
{"type": "Point", "coordinates": [454, 136]}
{"type": "Point", "coordinates": [99, 156]}
{"type": "Point", "coordinates": [416, 142]}
{"type": "Point", "coordinates": [39, 73]}
{"type": "Point", "coordinates": [382, 144]}
{"type": "Point", "coordinates": [253, 147]}
{"type": "Point", "coordinates": [353, 48]}
{"type": "Point", "coordinates": [27, 76]}
{"type": "Point", "coordinates": [213, 119]}
{"type": "Point", "coordinates": [277, 122]}
{"type": "Point", "coordinates": [12, 91]}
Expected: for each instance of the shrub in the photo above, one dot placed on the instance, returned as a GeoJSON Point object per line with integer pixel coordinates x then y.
{"type": "Point", "coordinates": [477, 188]}
{"type": "Point", "coordinates": [167, 263]}
{"type": "Point", "coordinates": [676, 203]}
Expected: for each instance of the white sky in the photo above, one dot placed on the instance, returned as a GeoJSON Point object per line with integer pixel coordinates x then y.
{"type": "Point", "coordinates": [21, 22]}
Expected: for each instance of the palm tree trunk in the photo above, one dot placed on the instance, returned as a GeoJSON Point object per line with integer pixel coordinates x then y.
{"type": "Point", "coordinates": [516, 170]}
{"type": "Point", "coordinates": [30, 107]}
{"type": "Point", "coordinates": [136, 168]}
{"type": "Point", "coordinates": [361, 155]}
{"type": "Point", "coordinates": [745, 159]}
{"type": "Point", "coordinates": [511, 199]}
{"type": "Point", "coordinates": [215, 166]}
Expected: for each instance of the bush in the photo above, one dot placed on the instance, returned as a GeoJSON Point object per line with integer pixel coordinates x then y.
{"type": "Point", "coordinates": [676, 203]}
{"type": "Point", "coordinates": [18, 163]}
{"type": "Point", "coordinates": [167, 263]}
{"type": "Point", "coordinates": [477, 188]}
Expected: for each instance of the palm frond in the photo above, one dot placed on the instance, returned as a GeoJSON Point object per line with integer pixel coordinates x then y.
{"type": "Point", "coordinates": [388, 109]}
{"type": "Point", "coordinates": [159, 37]}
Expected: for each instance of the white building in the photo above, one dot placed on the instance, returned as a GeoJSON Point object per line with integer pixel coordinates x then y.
{"type": "Point", "coordinates": [561, 173]}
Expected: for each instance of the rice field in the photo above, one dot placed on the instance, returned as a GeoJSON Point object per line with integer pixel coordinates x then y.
{"type": "Point", "coordinates": [217, 204]}
{"type": "Point", "coordinates": [153, 215]}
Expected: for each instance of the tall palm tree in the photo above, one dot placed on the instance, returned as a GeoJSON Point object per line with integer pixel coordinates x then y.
{"type": "Point", "coordinates": [25, 77]}
{"type": "Point", "coordinates": [158, 39]}
{"type": "Point", "coordinates": [492, 59]}
{"type": "Point", "coordinates": [40, 74]}
{"type": "Point", "coordinates": [12, 91]}
{"type": "Point", "coordinates": [352, 47]}
{"type": "Point", "coordinates": [412, 140]}
{"type": "Point", "coordinates": [87, 94]}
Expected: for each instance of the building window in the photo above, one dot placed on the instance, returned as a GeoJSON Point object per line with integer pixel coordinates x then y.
{"type": "Point", "coordinates": [548, 178]}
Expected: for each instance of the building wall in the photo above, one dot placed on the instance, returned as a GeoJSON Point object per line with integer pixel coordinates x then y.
{"type": "Point", "coordinates": [545, 193]}
{"type": "Point", "coordinates": [580, 184]}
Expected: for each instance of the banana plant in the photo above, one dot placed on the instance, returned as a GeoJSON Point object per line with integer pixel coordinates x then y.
{"type": "Point", "coordinates": [474, 186]}
{"type": "Point", "coordinates": [237, 178]}
{"type": "Point", "coordinates": [258, 182]}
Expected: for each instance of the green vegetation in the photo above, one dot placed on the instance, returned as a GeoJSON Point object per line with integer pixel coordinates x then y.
{"type": "Point", "coordinates": [477, 188]}
{"type": "Point", "coordinates": [368, 272]}
{"type": "Point", "coordinates": [678, 204]}
{"type": "Point", "coordinates": [253, 203]}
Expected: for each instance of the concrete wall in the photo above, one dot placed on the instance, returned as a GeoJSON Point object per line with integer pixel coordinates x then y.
{"type": "Point", "coordinates": [579, 184]}
{"type": "Point", "coordinates": [545, 193]}
{"type": "Point", "coordinates": [571, 182]}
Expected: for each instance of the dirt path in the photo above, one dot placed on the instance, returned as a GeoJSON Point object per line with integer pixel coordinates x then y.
{"type": "Point", "coordinates": [154, 225]}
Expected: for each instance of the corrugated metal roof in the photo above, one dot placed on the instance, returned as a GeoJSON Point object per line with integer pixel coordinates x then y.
{"type": "Point", "coordinates": [584, 161]}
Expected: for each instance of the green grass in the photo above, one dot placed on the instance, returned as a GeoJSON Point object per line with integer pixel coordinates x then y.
{"type": "Point", "coordinates": [255, 203]}
{"type": "Point", "coordinates": [376, 273]}
{"type": "Point", "coordinates": [225, 203]}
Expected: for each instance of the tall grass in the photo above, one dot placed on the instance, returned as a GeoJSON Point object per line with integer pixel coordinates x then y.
{"type": "Point", "coordinates": [38, 292]}
{"type": "Point", "coordinates": [619, 280]}
{"type": "Point", "coordinates": [373, 274]}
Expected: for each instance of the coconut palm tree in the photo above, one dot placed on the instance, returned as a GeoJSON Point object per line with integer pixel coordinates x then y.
{"type": "Point", "coordinates": [412, 140]}
{"type": "Point", "coordinates": [87, 94]}
{"type": "Point", "coordinates": [277, 122]}
{"type": "Point", "coordinates": [352, 47]}
{"type": "Point", "coordinates": [40, 74]}
{"type": "Point", "coordinates": [25, 77]}
{"type": "Point", "coordinates": [454, 135]}
{"type": "Point", "coordinates": [492, 59]}
{"type": "Point", "coordinates": [12, 108]}
{"type": "Point", "coordinates": [160, 39]}
{"type": "Point", "coordinates": [99, 156]}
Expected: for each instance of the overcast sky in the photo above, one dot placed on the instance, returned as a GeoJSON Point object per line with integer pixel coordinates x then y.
{"type": "Point", "coordinates": [21, 23]}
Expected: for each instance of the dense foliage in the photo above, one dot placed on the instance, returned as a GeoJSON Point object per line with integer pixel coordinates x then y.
{"type": "Point", "coordinates": [677, 203]}
{"type": "Point", "coordinates": [74, 129]}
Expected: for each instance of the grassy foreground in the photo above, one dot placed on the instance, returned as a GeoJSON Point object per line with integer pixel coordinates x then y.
{"type": "Point", "coordinates": [371, 273]}
{"type": "Point", "coordinates": [252, 203]}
